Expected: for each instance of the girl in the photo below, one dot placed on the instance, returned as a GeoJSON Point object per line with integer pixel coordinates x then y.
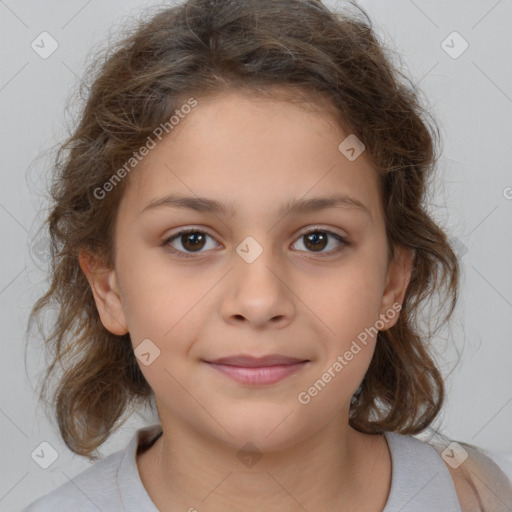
{"type": "Point", "coordinates": [240, 239]}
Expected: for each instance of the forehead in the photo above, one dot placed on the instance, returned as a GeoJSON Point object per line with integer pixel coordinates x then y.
{"type": "Point", "coordinates": [245, 150]}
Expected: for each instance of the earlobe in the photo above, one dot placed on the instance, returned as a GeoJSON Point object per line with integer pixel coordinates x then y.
{"type": "Point", "coordinates": [398, 278]}
{"type": "Point", "coordinates": [103, 282]}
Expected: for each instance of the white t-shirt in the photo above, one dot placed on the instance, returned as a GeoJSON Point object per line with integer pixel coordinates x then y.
{"type": "Point", "coordinates": [420, 481]}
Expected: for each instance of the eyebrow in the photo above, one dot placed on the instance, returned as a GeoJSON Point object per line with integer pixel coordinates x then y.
{"type": "Point", "coordinates": [297, 206]}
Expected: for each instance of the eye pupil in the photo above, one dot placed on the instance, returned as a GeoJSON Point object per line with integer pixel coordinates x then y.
{"type": "Point", "coordinates": [318, 242]}
{"type": "Point", "coordinates": [194, 238]}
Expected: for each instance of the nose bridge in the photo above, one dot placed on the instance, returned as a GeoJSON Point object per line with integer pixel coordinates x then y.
{"type": "Point", "coordinates": [256, 264]}
{"type": "Point", "coordinates": [257, 290]}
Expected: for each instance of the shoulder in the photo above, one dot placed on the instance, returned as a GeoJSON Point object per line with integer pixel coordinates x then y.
{"type": "Point", "coordinates": [420, 479]}
{"type": "Point", "coordinates": [90, 490]}
{"type": "Point", "coordinates": [112, 484]}
{"type": "Point", "coordinates": [480, 483]}
{"type": "Point", "coordinates": [433, 472]}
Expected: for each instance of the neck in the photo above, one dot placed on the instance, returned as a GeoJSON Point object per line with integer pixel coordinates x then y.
{"type": "Point", "coordinates": [332, 467]}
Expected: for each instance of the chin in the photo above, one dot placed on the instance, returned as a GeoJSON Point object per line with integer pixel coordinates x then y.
{"type": "Point", "coordinates": [265, 430]}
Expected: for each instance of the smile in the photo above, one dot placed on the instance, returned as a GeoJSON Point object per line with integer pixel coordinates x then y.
{"type": "Point", "coordinates": [258, 375]}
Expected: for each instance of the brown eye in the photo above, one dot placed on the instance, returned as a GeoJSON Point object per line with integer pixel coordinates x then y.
{"type": "Point", "coordinates": [316, 240]}
{"type": "Point", "coordinates": [191, 241]}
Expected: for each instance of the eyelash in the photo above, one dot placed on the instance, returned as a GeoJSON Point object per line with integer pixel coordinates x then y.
{"type": "Point", "coordinates": [183, 254]}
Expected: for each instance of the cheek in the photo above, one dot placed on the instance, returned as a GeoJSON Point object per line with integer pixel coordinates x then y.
{"type": "Point", "coordinates": [350, 301]}
{"type": "Point", "coordinates": [159, 298]}
{"type": "Point", "coordinates": [165, 315]}
{"type": "Point", "coordinates": [350, 306]}
{"type": "Point", "coordinates": [348, 345]}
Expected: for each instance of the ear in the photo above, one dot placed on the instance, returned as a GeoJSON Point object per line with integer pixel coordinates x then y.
{"type": "Point", "coordinates": [398, 278]}
{"type": "Point", "coordinates": [103, 282]}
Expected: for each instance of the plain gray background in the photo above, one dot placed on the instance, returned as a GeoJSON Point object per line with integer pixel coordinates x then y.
{"type": "Point", "coordinates": [470, 95]}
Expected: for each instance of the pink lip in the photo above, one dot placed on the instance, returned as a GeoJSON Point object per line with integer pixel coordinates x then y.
{"type": "Point", "coordinates": [251, 361]}
{"type": "Point", "coordinates": [258, 371]}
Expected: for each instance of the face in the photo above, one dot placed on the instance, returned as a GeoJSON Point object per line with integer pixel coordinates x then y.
{"type": "Point", "coordinates": [255, 276]}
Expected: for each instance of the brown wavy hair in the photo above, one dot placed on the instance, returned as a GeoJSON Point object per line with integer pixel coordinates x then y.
{"type": "Point", "coordinates": [203, 47]}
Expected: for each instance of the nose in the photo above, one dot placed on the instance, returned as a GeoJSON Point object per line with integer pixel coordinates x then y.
{"type": "Point", "coordinates": [258, 294]}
